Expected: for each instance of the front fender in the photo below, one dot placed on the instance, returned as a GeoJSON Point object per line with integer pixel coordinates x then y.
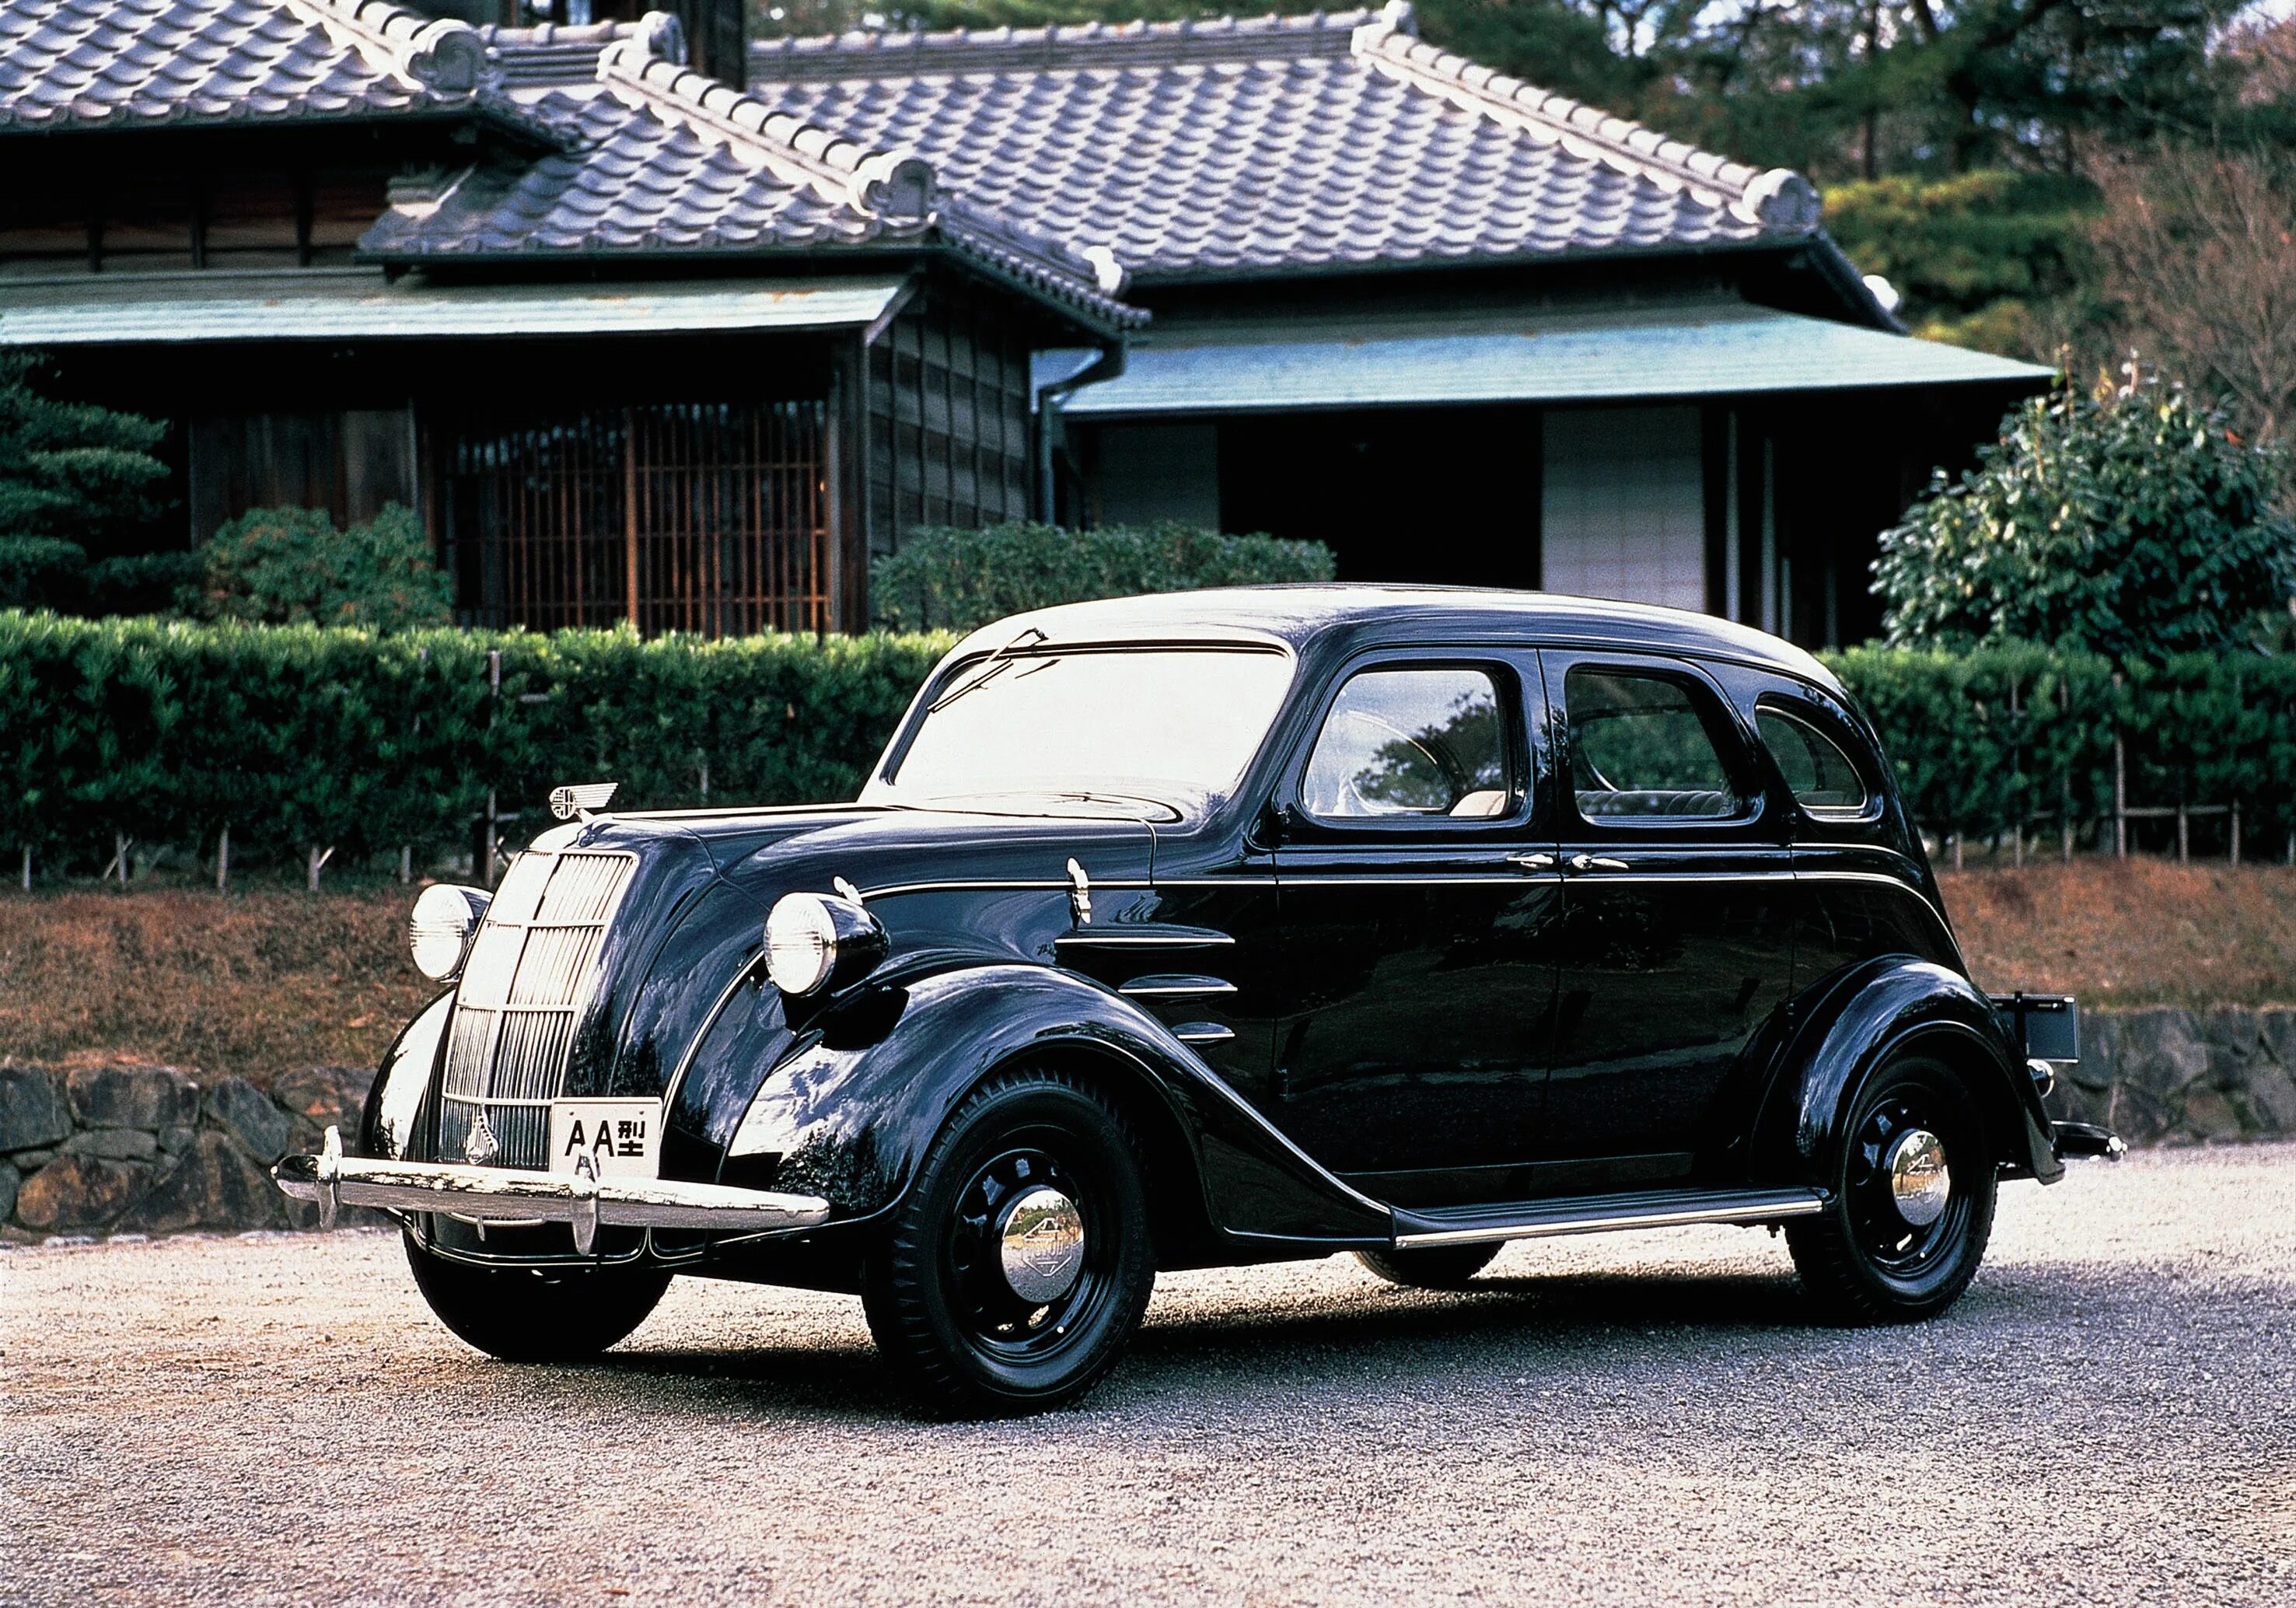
{"type": "Point", "coordinates": [1861, 1018]}
{"type": "Point", "coordinates": [410, 1066]}
{"type": "Point", "coordinates": [852, 1108]}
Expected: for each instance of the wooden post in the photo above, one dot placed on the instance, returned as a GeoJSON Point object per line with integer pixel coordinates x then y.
{"type": "Point", "coordinates": [405, 864]}
{"type": "Point", "coordinates": [223, 859]}
{"type": "Point", "coordinates": [2236, 831]}
{"type": "Point", "coordinates": [1957, 851]}
{"type": "Point", "coordinates": [2066, 813]}
{"type": "Point", "coordinates": [2119, 799]}
{"type": "Point", "coordinates": [2184, 835]}
{"type": "Point", "coordinates": [629, 527]}
{"type": "Point", "coordinates": [317, 863]}
{"type": "Point", "coordinates": [28, 867]}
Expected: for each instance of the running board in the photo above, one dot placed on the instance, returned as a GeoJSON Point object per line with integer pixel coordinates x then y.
{"type": "Point", "coordinates": [1599, 1214]}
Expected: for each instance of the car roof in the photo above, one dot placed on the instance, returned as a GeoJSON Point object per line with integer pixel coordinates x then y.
{"type": "Point", "coordinates": [1297, 615]}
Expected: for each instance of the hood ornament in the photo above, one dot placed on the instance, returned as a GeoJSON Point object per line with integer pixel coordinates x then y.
{"type": "Point", "coordinates": [582, 799]}
{"type": "Point", "coordinates": [479, 1145]}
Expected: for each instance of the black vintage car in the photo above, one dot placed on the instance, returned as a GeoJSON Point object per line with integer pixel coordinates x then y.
{"type": "Point", "coordinates": [1214, 928]}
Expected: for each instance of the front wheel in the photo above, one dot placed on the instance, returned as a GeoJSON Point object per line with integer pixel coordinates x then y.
{"type": "Point", "coordinates": [1912, 1206]}
{"type": "Point", "coordinates": [566, 1314]}
{"type": "Point", "coordinates": [1018, 1264]}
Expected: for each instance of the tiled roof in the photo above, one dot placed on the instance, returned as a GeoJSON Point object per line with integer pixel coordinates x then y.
{"type": "Point", "coordinates": [654, 156]}
{"type": "Point", "coordinates": [1272, 143]}
{"type": "Point", "coordinates": [82, 63]}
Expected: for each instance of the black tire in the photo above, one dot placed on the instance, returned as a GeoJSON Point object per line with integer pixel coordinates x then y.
{"type": "Point", "coordinates": [1861, 1261]}
{"type": "Point", "coordinates": [947, 1316]}
{"type": "Point", "coordinates": [537, 1314]}
{"type": "Point", "coordinates": [1431, 1267]}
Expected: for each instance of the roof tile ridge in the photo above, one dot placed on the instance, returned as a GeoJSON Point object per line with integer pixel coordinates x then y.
{"type": "Point", "coordinates": [1779, 198]}
{"type": "Point", "coordinates": [861, 52]}
{"type": "Point", "coordinates": [442, 55]}
{"type": "Point", "coordinates": [542, 35]}
{"type": "Point", "coordinates": [894, 186]}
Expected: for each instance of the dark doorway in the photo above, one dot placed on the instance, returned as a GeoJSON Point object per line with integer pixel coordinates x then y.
{"type": "Point", "coordinates": [1438, 496]}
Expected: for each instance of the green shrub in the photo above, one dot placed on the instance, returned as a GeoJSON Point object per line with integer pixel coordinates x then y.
{"type": "Point", "coordinates": [957, 580]}
{"type": "Point", "coordinates": [1984, 741]}
{"type": "Point", "coordinates": [2132, 524]}
{"type": "Point", "coordinates": [295, 735]}
{"type": "Point", "coordinates": [292, 566]}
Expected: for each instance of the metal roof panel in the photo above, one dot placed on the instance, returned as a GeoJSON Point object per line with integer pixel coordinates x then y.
{"type": "Point", "coordinates": [1726, 351]}
{"type": "Point", "coordinates": [329, 305]}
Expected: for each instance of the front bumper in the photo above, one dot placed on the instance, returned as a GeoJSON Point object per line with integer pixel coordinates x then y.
{"type": "Point", "coordinates": [509, 1195]}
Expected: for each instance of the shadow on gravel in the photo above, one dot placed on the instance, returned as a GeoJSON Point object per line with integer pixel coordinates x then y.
{"type": "Point", "coordinates": [1598, 1321]}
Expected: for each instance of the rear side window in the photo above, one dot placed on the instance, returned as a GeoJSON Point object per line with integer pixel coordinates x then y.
{"type": "Point", "coordinates": [1817, 772]}
{"type": "Point", "coordinates": [1412, 743]}
{"type": "Point", "coordinates": [1639, 748]}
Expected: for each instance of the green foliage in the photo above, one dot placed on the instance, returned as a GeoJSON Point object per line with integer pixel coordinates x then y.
{"type": "Point", "coordinates": [1970, 253]}
{"type": "Point", "coordinates": [953, 579]}
{"type": "Point", "coordinates": [290, 566]}
{"type": "Point", "coordinates": [2014, 733]}
{"type": "Point", "coordinates": [293, 735]}
{"type": "Point", "coordinates": [41, 572]}
{"type": "Point", "coordinates": [70, 470]}
{"type": "Point", "coordinates": [2133, 523]}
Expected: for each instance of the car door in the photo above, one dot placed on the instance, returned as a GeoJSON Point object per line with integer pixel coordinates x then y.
{"type": "Point", "coordinates": [1677, 916]}
{"type": "Point", "coordinates": [1419, 895]}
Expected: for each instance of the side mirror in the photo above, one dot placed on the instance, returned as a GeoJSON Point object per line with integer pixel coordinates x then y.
{"type": "Point", "coordinates": [1277, 823]}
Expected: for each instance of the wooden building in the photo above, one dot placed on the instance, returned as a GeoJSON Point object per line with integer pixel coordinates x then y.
{"type": "Point", "coordinates": [635, 345]}
{"type": "Point", "coordinates": [642, 343]}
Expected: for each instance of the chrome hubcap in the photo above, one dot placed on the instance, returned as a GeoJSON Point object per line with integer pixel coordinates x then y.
{"type": "Point", "coordinates": [1041, 1245]}
{"type": "Point", "coordinates": [1920, 1181]}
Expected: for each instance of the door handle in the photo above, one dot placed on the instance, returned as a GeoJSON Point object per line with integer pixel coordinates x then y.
{"type": "Point", "coordinates": [1532, 862]}
{"type": "Point", "coordinates": [1595, 862]}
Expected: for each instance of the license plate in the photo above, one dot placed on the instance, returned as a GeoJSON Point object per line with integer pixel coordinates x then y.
{"type": "Point", "coordinates": [621, 1137]}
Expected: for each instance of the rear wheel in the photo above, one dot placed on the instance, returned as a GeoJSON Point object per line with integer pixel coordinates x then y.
{"type": "Point", "coordinates": [1912, 1206]}
{"type": "Point", "coordinates": [537, 1314]}
{"type": "Point", "coordinates": [1018, 1265]}
{"type": "Point", "coordinates": [1431, 1268]}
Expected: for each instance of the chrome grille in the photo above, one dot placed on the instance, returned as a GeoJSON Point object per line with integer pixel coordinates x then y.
{"type": "Point", "coordinates": [523, 989]}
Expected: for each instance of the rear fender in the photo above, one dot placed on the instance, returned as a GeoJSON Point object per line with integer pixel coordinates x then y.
{"type": "Point", "coordinates": [851, 1109]}
{"type": "Point", "coordinates": [1857, 1020]}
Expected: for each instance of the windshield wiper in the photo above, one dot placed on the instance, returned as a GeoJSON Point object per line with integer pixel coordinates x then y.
{"type": "Point", "coordinates": [989, 670]}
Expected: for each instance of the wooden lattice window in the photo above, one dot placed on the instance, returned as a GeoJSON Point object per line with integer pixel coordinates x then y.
{"type": "Point", "coordinates": [709, 517]}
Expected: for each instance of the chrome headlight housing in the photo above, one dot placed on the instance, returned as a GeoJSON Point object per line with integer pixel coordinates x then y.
{"type": "Point", "coordinates": [815, 942]}
{"type": "Point", "coordinates": [439, 932]}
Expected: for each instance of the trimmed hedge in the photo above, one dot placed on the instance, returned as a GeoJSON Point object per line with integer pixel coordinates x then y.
{"type": "Point", "coordinates": [1985, 739]}
{"type": "Point", "coordinates": [297, 735]}
{"type": "Point", "coordinates": [952, 580]}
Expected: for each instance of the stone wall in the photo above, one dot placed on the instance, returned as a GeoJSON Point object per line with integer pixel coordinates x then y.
{"type": "Point", "coordinates": [147, 1150]}
{"type": "Point", "coordinates": [2171, 1077]}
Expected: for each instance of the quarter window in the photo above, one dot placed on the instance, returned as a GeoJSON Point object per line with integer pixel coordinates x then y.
{"type": "Point", "coordinates": [1421, 741]}
{"type": "Point", "coordinates": [1816, 771]}
{"type": "Point", "coordinates": [1640, 749]}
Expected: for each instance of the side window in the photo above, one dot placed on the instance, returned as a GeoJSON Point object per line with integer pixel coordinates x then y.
{"type": "Point", "coordinates": [1638, 748]}
{"type": "Point", "coordinates": [1817, 772]}
{"type": "Point", "coordinates": [1412, 743]}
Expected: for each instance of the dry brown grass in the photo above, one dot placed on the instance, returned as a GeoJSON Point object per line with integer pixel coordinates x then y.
{"type": "Point", "coordinates": [268, 980]}
{"type": "Point", "coordinates": [256, 983]}
{"type": "Point", "coordinates": [2128, 932]}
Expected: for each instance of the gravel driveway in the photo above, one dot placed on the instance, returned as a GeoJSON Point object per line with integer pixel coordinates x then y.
{"type": "Point", "coordinates": [2109, 1416]}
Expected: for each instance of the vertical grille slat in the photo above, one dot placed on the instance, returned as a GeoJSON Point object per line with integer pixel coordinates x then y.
{"type": "Point", "coordinates": [523, 989]}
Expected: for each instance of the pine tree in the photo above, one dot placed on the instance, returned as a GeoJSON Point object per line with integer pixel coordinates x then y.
{"type": "Point", "coordinates": [73, 476]}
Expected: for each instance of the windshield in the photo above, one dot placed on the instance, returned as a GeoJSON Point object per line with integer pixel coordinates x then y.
{"type": "Point", "coordinates": [1145, 721]}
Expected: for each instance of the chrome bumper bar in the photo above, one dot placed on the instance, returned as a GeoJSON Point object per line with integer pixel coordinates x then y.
{"type": "Point", "coordinates": [334, 1180]}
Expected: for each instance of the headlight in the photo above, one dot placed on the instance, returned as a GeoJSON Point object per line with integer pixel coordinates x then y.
{"type": "Point", "coordinates": [813, 941]}
{"type": "Point", "coordinates": [439, 934]}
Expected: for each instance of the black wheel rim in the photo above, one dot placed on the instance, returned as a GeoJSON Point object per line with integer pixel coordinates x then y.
{"type": "Point", "coordinates": [1897, 1249]}
{"type": "Point", "coordinates": [996, 1321]}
